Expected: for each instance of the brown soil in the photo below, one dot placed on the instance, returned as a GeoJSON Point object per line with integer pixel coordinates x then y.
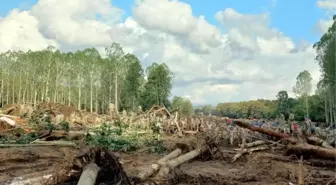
{"type": "Point", "coordinates": [254, 169]}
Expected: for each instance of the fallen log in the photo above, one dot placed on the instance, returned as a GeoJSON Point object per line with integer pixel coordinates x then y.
{"type": "Point", "coordinates": [171, 164]}
{"type": "Point", "coordinates": [250, 150]}
{"type": "Point", "coordinates": [89, 175]}
{"type": "Point", "coordinates": [156, 166]}
{"type": "Point", "coordinates": [272, 133]}
{"type": "Point", "coordinates": [9, 116]}
{"type": "Point", "coordinates": [55, 143]}
{"type": "Point", "coordinates": [318, 141]}
{"type": "Point", "coordinates": [13, 132]}
{"type": "Point", "coordinates": [308, 149]}
{"type": "Point", "coordinates": [36, 145]}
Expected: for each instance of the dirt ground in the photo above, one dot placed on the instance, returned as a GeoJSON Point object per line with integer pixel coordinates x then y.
{"type": "Point", "coordinates": [272, 168]}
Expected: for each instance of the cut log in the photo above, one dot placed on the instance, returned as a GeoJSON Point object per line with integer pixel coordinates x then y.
{"type": "Point", "coordinates": [308, 149]}
{"type": "Point", "coordinates": [55, 143]}
{"type": "Point", "coordinates": [282, 136]}
{"type": "Point", "coordinates": [318, 141]}
{"type": "Point", "coordinates": [89, 174]}
{"type": "Point", "coordinates": [167, 167]}
{"type": "Point", "coordinates": [156, 166]}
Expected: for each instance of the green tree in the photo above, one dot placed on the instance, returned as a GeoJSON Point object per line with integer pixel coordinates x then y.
{"type": "Point", "coordinates": [282, 102]}
{"type": "Point", "coordinates": [326, 59]}
{"type": "Point", "coordinates": [303, 88]}
{"type": "Point", "coordinates": [133, 82]}
{"type": "Point", "coordinates": [206, 109]}
{"type": "Point", "coordinates": [183, 105]}
{"type": "Point", "coordinates": [158, 85]}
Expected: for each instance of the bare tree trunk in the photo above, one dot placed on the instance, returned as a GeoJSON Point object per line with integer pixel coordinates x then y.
{"type": "Point", "coordinates": [89, 174]}
{"type": "Point", "coordinates": [91, 92]}
{"type": "Point", "coordinates": [307, 107]}
{"type": "Point", "coordinates": [79, 93]}
{"type": "Point", "coordinates": [326, 107]}
{"type": "Point", "coordinates": [116, 93]}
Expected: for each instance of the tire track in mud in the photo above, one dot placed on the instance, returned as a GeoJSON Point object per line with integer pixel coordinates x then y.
{"type": "Point", "coordinates": [27, 162]}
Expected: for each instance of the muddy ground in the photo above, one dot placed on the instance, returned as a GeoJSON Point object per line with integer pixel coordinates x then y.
{"type": "Point", "coordinates": [263, 168]}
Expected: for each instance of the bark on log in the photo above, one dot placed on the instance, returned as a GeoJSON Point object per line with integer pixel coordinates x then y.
{"type": "Point", "coordinates": [250, 150]}
{"type": "Point", "coordinates": [165, 169]}
{"type": "Point", "coordinates": [282, 136]}
{"type": "Point", "coordinates": [89, 174]}
{"type": "Point", "coordinates": [156, 166]}
{"type": "Point", "coordinates": [256, 143]}
{"type": "Point", "coordinates": [9, 116]}
{"type": "Point", "coordinates": [55, 143]}
{"type": "Point", "coordinates": [308, 149]}
{"type": "Point", "coordinates": [318, 141]}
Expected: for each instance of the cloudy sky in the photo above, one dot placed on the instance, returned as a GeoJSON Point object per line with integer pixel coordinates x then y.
{"type": "Point", "coordinates": [219, 51]}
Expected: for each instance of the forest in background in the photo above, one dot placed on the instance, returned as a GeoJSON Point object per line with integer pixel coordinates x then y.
{"type": "Point", "coordinates": [319, 105]}
{"type": "Point", "coordinates": [89, 81]}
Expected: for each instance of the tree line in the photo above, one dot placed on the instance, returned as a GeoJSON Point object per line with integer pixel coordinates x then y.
{"type": "Point", "coordinates": [319, 106]}
{"type": "Point", "coordinates": [83, 79]}
{"type": "Point", "coordinates": [303, 105]}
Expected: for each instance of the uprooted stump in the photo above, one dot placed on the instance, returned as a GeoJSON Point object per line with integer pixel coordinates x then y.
{"type": "Point", "coordinates": [98, 165]}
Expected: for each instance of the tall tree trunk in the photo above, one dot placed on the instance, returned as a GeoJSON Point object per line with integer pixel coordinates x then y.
{"type": "Point", "coordinates": [2, 89]}
{"type": "Point", "coordinates": [13, 91]}
{"type": "Point", "coordinates": [307, 106]}
{"type": "Point", "coordinates": [79, 93]}
{"type": "Point", "coordinates": [116, 93]}
{"type": "Point", "coordinates": [326, 107]}
{"type": "Point", "coordinates": [91, 92]}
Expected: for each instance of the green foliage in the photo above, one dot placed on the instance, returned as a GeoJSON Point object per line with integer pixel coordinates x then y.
{"type": "Point", "coordinates": [25, 139]}
{"type": "Point", "coordinates": [303, 87]}
{"type": "Point", "coordinates": [65, 126]}
{"type": "Point", "coordinates": [326, 58]}
{"type": "Point", "coordinates": [133, 83]}
{"type": "Point", "coordinates": [248, 109]}
{"type": "Point", "coordinates": [83, 79]}
{"type": "Point", "coordinates": [303, 84]}
{"type": "Point", "coordinates": [282, 102]}
{"type": "Point", "coordinates": [206, 109]}
{"type": "Point", "coordinates": [183, 105]}
{"type": "Point", "coordinates": [157, 87]}
{"type": "Point", "coordinates": [115, 139]}
{"type": "Point", "coordinates": [105, 136]}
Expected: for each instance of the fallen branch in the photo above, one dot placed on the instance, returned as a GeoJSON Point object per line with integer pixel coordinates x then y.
{"type": "Point", "coordinates": [250, 150]}
{"type": "Point", "coordinates": [255, 143]}
{"type": "Point", "coordinates": [89, 174]}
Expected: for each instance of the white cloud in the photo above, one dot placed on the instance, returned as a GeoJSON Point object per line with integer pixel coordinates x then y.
{"type": "Point", "coordinates": [330, 8]}
{"type": "Point", "coordinates": [249, 60]}
{"type": "Point", "coordinates": [323, 25]}
{"type": "Point", "coordinates": [327, 4]}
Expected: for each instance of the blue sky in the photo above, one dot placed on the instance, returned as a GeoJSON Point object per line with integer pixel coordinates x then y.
{"type": "Point", "coordinates": [295, 18]}
{"type": "Point", "coordinates": [288, 16]}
